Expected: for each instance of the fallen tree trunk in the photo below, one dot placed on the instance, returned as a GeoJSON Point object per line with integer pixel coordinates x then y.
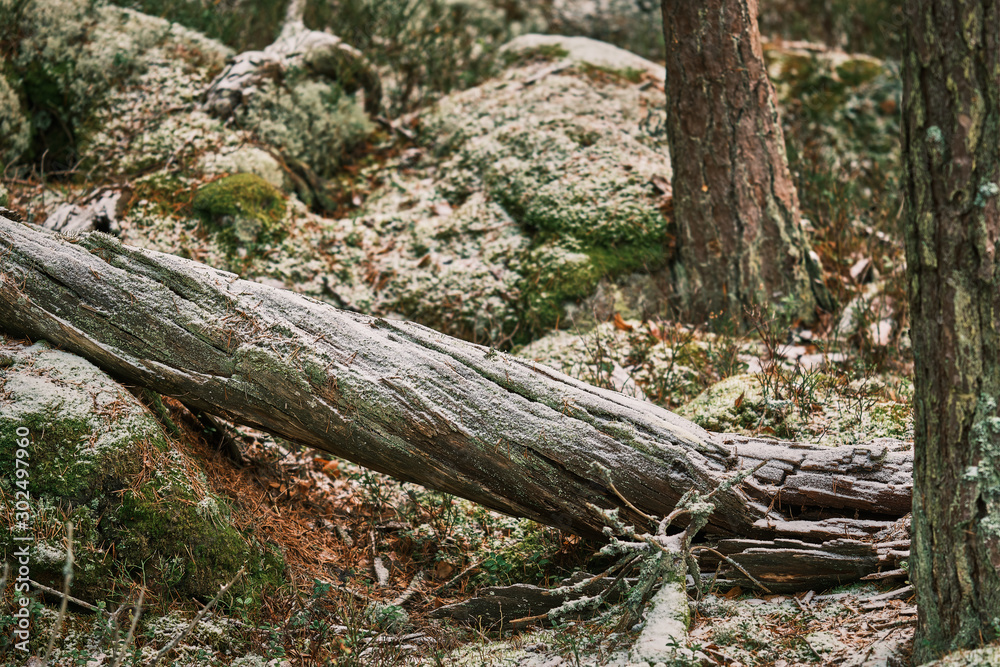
{"type": "Point", "coordinates": [402, 399]}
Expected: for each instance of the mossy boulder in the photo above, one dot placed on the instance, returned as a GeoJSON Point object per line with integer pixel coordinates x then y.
{"type": "Point", "coordinates": [566, 159]}
{"type": "Point", "coordinates": [244, 210]}
{"type": "Point", "coordinates": [15, 130]}
{"type": "Point", "coordinates": [591, 54]}
{"type": "Point", "coordinates": [558, 172]}
{"type": "Point", "coordinates": [95, 456]}
{"type": "Point", "coordinates": [523, 196]}
{"type": "Point", "coordinates": [70, 57]}
{"type": "Point", "coordinates": [843, 106]}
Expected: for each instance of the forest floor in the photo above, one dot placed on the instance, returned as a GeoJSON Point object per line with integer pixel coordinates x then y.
{"type": "Point", "coordinates": [370, 558]}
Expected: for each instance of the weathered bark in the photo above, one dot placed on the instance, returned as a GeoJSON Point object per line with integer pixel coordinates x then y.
{"type": "Point", "coordinates": [951, 144]}
{"type": "Point", "coordinates": [739, 239]}
{"type": "Point", "coordinates": [397, 397]}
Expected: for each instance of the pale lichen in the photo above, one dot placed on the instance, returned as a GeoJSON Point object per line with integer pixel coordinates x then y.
{"type": "Point", "coordinates": [15, 129]}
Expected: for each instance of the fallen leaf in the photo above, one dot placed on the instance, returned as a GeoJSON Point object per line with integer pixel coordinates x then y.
{"type": "Point", "coordinates": [739, 400]}
{"type": "Point", "coordinates": [621, 325]}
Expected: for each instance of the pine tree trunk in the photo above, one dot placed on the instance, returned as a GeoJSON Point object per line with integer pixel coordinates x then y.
{"type": "Point", "coordinates": [951, 141]}
{"type": "Point", "coordinates": [739, 239]}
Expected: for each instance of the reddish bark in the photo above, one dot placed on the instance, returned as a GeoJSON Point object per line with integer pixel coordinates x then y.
{"type": "Point", "coordinates": [739, 237]}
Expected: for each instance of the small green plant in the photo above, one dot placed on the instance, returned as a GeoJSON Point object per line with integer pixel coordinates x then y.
{"type": "Point", "coordinates": [240, 25]}
{"type": "Point", "coordinates": [431, 46]}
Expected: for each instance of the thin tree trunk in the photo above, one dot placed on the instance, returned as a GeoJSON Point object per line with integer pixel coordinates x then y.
{"type": "Point", "coordinates": [397, 397]}
{"type": "Point", "coordinates": [951, 143]}
{"type": "Point", "coordinates": [739, 238]}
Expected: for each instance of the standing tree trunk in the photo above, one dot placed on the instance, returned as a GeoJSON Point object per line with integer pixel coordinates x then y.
{"type": "Point", "coordinates": [739, 238]}
{"type": "Point", "coordinates": [951, 141]}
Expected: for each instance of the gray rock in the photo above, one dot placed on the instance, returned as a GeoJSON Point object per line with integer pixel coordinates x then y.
{"type": "Point", "coordinates": [586, 50]}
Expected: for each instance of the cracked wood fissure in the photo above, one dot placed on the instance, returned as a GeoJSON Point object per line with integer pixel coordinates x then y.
{"type": "Point", "coordinates": [402, 399]}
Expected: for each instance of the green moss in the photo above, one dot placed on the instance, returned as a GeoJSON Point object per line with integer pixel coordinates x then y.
{"type": "Point", "coordinates": [857, 71]}
{"type": "Point", "coordinates": [600, 73]}
{"type": "Point", "coordinates": [554, 275]}
{"type": "Point", "coordinates": [190, 541]}
{"type": "Point", "coordinates": [89, 444]}
{"type": "Point", "coordinates": [542, 52]}
{"type": "Point", "coordinates": [244, 210]}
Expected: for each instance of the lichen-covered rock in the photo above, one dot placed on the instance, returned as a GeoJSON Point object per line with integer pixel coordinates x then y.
{"type": "Point", "coordinates": [563, 156]}
{"type": "Point", "coordinates": [805, 406]}
{"type": "Point", "coordinates": [666, 363]}
{"type": "Point", "coordinates": [71, 54]}
{"type": "Point", "coordinates": [15, 130]}
{"type": "Point", "coordinates": [95, 456]}
{"type": "Point", "coordinates": [843, 108]}
{"type": "Point", "coordinates": [583, 50]}
{"type": "Point", "coordinates": [527, 193]}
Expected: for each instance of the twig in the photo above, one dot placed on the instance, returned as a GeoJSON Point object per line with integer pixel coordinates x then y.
{"type": "Point", "coordinates": [76, 601]}
{"type": "Point", "coordinates": [67, 580]}
{"type": "Point", "coordinates": [410, 590]}
{"type": "Point", "coordinates": [736, 565]}
{"type": "Point", "coordinates": [606, 474]}
{"type": "Point", "coordinates": [888, 574]}
{"type": "Point", "coordinates": [194, 622]}
{"type": "Point", "coordinates": [459, 576]}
